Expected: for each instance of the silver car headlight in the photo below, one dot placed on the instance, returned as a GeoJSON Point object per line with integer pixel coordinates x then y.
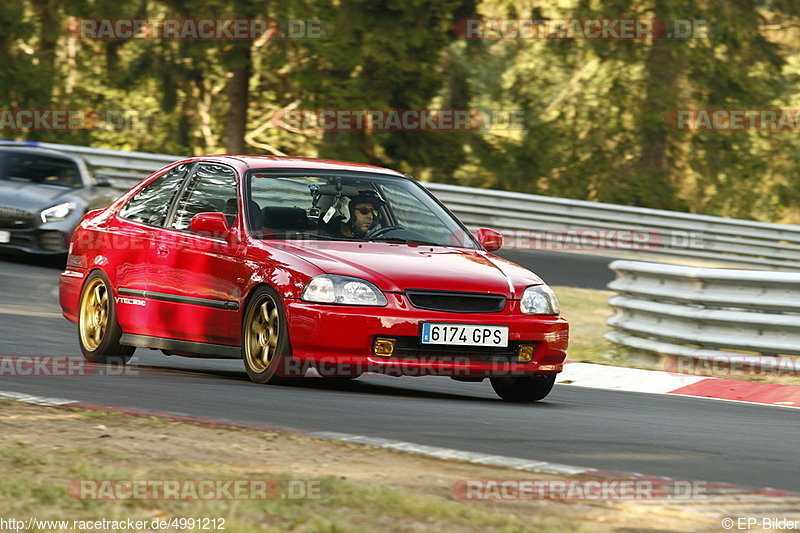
{"type": "Point", "coordinates": [343, 290]}
{"type": "Point", "coordinates": [57, 212]}
{"type": "Point", "coordinates": [539, 300]}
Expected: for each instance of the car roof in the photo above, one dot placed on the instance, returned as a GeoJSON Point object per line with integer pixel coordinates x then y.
{"type": "Point", "coordinates": [25, 148]}
{"type": "Point", "coordinates": [273, 161]}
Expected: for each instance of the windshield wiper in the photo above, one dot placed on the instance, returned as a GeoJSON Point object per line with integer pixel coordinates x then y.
{"type": "Point", "coordinates": [398, 240]}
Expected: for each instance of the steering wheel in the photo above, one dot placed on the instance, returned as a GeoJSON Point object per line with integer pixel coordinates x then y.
{"type": "Point", "coordinates": [380, 232]}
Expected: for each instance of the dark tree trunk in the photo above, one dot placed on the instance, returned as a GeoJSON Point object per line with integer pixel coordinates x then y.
{"type": "Point", "coordinates": [49, 30]}
{"type": "Point", "coordinates": [660, 76]}
{"type": "Point", "coordinates": [238, 99]}
{"type": "Point", "coordinates": [662, 67]}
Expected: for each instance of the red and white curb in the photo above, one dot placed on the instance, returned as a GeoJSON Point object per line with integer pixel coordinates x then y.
{"type": "Point", "coordinates": [658, 382]}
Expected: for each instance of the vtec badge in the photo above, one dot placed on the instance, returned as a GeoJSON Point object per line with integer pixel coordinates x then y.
{"type": "Point", "coordinates": [129, 301]}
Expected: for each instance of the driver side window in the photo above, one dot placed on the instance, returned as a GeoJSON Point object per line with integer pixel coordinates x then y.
{"type": "Point", "coordinates": [412, 214]}
{"type": "Point", "coordinates": [212, 189]}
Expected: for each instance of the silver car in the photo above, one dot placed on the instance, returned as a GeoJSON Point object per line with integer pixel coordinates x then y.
{"type": "Point", "coordinates": [43, 195]}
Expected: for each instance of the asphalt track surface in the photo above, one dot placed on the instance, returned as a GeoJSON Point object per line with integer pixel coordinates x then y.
{"type": "Point", "coordinates": [659, 435]}
{"type": "Point", "coordinates": [563, 268]}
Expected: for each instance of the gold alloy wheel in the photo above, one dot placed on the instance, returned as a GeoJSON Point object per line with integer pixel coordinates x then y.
{"type": "Point", "coordinates": [94, 314]}
{"type": "Point", "coordinates": [262, 334]}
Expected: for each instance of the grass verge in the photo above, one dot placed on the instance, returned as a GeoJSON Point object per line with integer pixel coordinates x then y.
{"type": "Point", "coordinates": [360, 488]}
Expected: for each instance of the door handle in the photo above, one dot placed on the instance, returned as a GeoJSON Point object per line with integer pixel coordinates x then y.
{"type": "Point", "coordinates": [162, 250]}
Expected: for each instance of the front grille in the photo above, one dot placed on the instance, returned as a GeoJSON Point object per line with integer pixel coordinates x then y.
{"type": "Point", "coordinates": [456, 302]}
{"type": "Point", "coordinates": [411, 348]}
{"type": "Point", "coordinates": [11, 218]}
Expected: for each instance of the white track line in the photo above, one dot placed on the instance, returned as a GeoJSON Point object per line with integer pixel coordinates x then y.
{"type": "Point", "coordinates": [38, 400]}
{"type": "Point", "coordinates": [457, 455]}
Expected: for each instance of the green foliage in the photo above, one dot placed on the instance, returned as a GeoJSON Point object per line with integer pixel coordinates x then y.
{"type": "Point", "coordinates": [594, 110]}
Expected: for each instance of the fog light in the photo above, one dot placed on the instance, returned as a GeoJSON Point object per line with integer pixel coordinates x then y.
{"type": "Point", "coordinates": [383, 347]}
{"type": "Point", "coordinates": [525, 353]}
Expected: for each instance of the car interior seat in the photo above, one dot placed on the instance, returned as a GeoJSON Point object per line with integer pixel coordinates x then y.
{"type": "Point", "coordinates": [282, 218]}
{"type": "Point", "coordinates": [231, 210]}
{"type": "Point", "coordinates": [256, 217]}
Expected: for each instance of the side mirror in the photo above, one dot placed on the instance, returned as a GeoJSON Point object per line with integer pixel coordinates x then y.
{"type": "Point", "coordinates": [102, 181]}
{"type": "Point", "coordinates": [210, 225]}
{"type": "Point", "coordinates": [490, 239]}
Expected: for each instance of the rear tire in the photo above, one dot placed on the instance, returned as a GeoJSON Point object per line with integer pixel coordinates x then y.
{"type": "Point", "coordinates": [265, 338]}
{"type": "Point", "coordinates": [98, 330]}
{"type": "Point", "coordinates": [523, 389]}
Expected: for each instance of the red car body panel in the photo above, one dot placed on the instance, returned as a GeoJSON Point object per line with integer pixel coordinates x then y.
{"type": "Point", "coordinates": [343, 335]}
{"type": "Point", "coordinates": [140, 258]}
{"type": "Point", "coordinates": [396, 267]}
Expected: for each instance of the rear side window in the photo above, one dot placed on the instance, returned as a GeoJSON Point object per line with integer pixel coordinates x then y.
{"type": "Point", "coordinates": [212, 190]}
{"type": "Point", "coordinates": [151, 204]}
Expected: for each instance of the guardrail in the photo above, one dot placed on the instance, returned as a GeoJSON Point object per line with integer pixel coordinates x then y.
{"type": "Point", "coordinates": [124, 168]}
{"type": "Point", "coordinates": [704, 313]}
{"type": "Point", "coordinates": [669, 234]}
{"type": "Point", "coordinates": [528, 220]}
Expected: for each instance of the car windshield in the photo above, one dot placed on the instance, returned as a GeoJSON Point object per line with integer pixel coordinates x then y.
{"type": "Point", "coordinates": [342, 205]}
{"type": "Point", "coordinates": [37, 168]}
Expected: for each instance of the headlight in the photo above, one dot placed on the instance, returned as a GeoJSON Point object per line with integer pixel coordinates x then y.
{"type": "Point", "coordinates": [539, 300]}
{"type": "Point", "coordinates": [57, 212]}
{"type": "Point", "coordinates": [343, 290]}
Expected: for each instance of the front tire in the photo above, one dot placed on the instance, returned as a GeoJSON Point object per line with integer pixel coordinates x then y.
{"type": "Point", "coordinates": [523, 389]}
{"type": "Point", "coordinates": [265, 338]}
{"type": "Point", "coordinates": [98, 330]}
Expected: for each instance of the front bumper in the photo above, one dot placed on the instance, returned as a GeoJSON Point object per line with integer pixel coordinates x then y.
{"type": "Point", "coordinates": [38, 241]}
{"type": "Point", "coordinates": [338, 341]}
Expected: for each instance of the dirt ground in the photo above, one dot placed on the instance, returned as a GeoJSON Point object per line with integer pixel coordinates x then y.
{"type": "Point", "coordinates": [239, 453]}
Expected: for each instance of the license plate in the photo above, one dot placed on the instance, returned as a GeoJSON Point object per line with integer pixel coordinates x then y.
{"type": "Point", "coordinates": [5, 236]}
{"type": "Point", "coordinates": [464, 334]}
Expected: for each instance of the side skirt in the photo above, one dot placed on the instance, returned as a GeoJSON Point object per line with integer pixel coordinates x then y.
{"type": "Point", "coordinates": [184, 348]}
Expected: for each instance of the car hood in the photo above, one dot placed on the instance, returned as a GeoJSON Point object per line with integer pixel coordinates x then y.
{"type": "Point", "coordinates": [397, 267]}
{"type": "Point", "coordinates": [32, 196]}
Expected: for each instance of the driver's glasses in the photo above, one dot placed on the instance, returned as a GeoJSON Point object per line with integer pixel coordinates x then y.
{"type": "Point", "coordinates": [365, 211]}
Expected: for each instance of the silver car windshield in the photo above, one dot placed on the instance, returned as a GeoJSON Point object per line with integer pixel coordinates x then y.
{"type": "Point", "coordinates": [38, 168]}
{"type": "Point", "coordinates": [344, 206]}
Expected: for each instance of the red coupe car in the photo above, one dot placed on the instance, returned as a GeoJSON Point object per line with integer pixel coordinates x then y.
{"type": "Point", "coordinates": [292, 264]}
